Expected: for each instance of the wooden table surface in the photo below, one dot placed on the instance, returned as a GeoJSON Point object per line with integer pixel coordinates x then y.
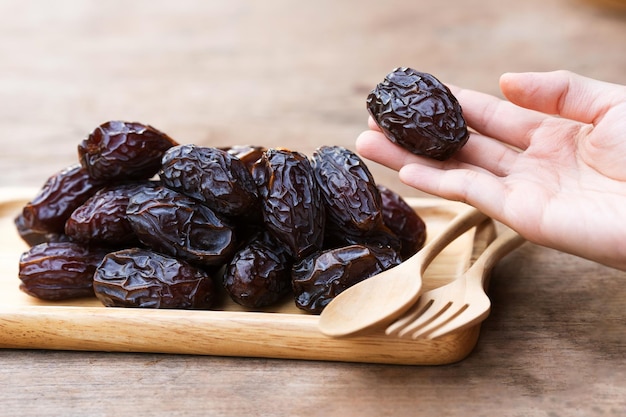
{"type": "Point", "coordinates": [296, 74]}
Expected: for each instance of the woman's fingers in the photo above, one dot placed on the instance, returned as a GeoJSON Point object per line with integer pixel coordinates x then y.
{"type": "Point", "coordinates": [454, 179]}
{"type": "Point", "coordinates": [534, 98]}
{"type": "Point", "coordinates": [372, 124]}
{"type": "Point", "coordinates": [498, 118]}
{"type": "Point", "coordinates": [480, 153]}
{"type": "Point", "coordinates": [487, 154]}
{"type": "Point", "coordinates": [373, 145]}
{"type": "Point", "coordinates": [480, 189]}
{"type": "Point", "coordinates": [560, 93]}
{"type": "Point", "coordinates": [493, 117]}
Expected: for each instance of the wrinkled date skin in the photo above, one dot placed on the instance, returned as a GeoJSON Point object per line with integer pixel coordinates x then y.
{"type": "Point", "coordinates": [34, 237]}
{"type": "Point", "coordinates": [102, 218]}
{"type": "Point", "coordinates": [177, 225]}
{"type": "Point", "coordinates": [248, 154]}
{"type": "Point", "coordinates": [259, 275]}
{"type": "Point", "coordinates": [59, 270]}
{"type": "Point", "coordinates": [210, 175]}
{"type": "Point", "coordinates": [142, 278]}
{"type": "Point", "coordinates": [319, 278]}
{"type": "Point", "coordinates": [145, 222]}
{"type": "Point", "coordinates": [62, 193]}
{"type": "Point", "coordinates": [419, 113]}
{"type": "Point", "coordinates": [403, 221]}
{"type": "Point", "coordinates": [119, 150]}
{"type": "Point", "coordinates": [353, 202]}
{"type": "Point", "coordinates": [291, 201]}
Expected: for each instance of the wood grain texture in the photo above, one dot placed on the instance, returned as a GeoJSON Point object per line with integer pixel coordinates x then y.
{"type": "Point", "coordinates": [296, 74]}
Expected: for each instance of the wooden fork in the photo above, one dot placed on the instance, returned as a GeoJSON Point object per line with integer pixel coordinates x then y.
{"type": "Point", "coordinates": [461, 303]}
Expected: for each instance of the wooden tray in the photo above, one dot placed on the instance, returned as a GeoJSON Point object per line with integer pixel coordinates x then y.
{"type": "Point", "coordinates": [284, 332]}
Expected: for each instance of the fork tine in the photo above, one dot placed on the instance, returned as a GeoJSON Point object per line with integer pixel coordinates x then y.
{"type": "Point", "coordinates": [443, 319]}
{"type": "Point", "coordinates": [429, 307]}
{"type": "Point", "coordinates": [416, 311]}
{"type": "Point", "coordinates": [432, 314]}
{"type": "Point", "coordinates": [477, 303]}
{"type": "Point", "coordinates": [459, 304]}
{"type": "Point", "coordinates": [454, 325]}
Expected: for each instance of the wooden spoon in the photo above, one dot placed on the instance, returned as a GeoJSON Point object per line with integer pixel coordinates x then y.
{"type": "Point", "coordinates": [384, 297]}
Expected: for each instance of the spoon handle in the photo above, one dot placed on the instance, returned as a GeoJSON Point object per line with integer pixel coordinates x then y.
{"type": "Point", "coordinates": [506, 242]}
{"type": "Point", "coordinates": [459, 225]}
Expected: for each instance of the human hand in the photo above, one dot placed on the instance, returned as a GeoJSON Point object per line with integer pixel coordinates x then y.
{"type": "Point", "coordinates": [550, 163]}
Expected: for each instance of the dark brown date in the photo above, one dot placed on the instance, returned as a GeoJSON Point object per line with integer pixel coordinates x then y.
{"type": "Point", "coordinates": [248, 154]}
{"type": "Point", "coordinates": [177, 225]}
{"type": "Point", "coordinates": [211, 175]}
{"type": "Point", "coordinates": [259, 275]}
{"type": "Point", "coordinates": [34, 237]}
{"type": "Point", "coordinates": [402, 220]}
{"type": "Point", "coordinates": [102, 218]}
{"type": "Point", "coordinates": [59, 270]}
{"type": "Point", "coordinates": [118, 150]}
{"type": "Point", "coordinates": [142, 278]}
{"type": "Point", "coordinates": [62, 193]}
{"type": "Point", "coordinates": [291, 202]}
{"type": "Point", "coordinates": [419, 113]}
{"type": "Point", "coordinates": [353, 202]}
{"type": "Point", "coordinates": [196, 217]}
{"type": "Point", "coordinates": [319, 278]}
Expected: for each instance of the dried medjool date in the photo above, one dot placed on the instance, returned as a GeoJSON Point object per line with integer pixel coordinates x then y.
{"type": "Point", "coordinates": [187, 222]}
{"type": "Point", "coordinates": [102, 218]}
{"type": "Point", "coordinates": [353, 202]}
{"type": "Point", "coordinates": [177, 225]}
{"type": "Point", "coordinates": [62, 193]}
{"type": "Point", "coordinates": [59, 270]}
{"type": "Point", "coordinates": [143, 278]}
{"type": "Point", "coordinates": [419, 113]}
{"type": "Point", "coordinates": [403, 221]}
{"type": "Point", "coordinates": [210, 175]}
{"type": "Point", "coordinates": [119, 150]}
{"type": "Point", "coordinates": [248, 154]}
{"type": "Point", "coordinates": [34, 237]}
{"type": "Point", "coordinates": [259, 274]}
{"type": "Point", "coordinates": [319, 278]}
{"type": "Point", "coordinates": [291, 202]}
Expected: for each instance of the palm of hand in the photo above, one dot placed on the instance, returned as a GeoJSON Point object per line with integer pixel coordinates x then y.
{"type": "Point", "coordinates": [567, 189]}
{"type": "Point", "coordinates": [604, 148]}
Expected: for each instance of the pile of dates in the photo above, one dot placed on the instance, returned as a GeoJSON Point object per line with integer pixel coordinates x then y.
{"type": "Point", "coordinates": [143, 221]}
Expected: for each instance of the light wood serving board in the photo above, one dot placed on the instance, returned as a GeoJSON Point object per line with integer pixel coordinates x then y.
{"type": "Point", "coordinates": [283, 332]}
